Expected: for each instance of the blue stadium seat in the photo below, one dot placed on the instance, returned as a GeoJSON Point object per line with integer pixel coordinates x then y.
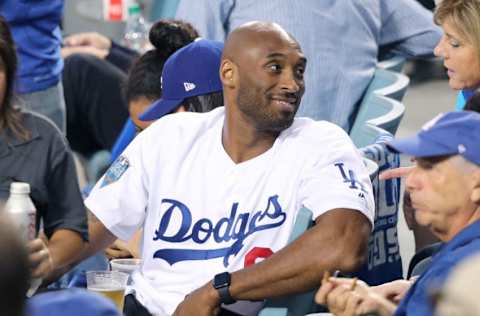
{"type": "Point", "coordinates": [293, 305]}
{"type": "Point", "coordinates": [381, 106]}
{"type": "Point", "coordinates": [388, 83]}
{"type": "Point", "coordinates": [395, 63]}
{"type": "Point", "coordinates": [163, 9]}
{"type": "Point", "coordinates": [377, 112]}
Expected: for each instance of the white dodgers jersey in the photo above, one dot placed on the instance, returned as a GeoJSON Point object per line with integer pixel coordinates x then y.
{"type": "Point", "coordinates": [203, 214]}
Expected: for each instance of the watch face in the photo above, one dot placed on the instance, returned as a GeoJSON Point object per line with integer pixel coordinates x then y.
{"type": "Point", "coordinates": [221, 280]}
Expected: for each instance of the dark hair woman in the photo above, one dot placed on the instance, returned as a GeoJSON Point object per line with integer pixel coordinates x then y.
{"type": "Point", "coordinates": [34, 151]}
{"type": "Point", "coordinates": [143, 83]}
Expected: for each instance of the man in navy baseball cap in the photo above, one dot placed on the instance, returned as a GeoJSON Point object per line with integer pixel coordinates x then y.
{"type": "Point", "coordinates": [191, 71]}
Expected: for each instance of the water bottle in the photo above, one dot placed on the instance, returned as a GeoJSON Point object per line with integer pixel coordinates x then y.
{"type": "Point", "coordinates": [136, 30]}
{"type": "Point", "coordinates": [22, 211]}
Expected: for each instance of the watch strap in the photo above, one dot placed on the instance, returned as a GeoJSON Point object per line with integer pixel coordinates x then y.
{"type": "Point", "coordinates": [225, 297]}
{"type": "Point", "coordinates": [221, 282]}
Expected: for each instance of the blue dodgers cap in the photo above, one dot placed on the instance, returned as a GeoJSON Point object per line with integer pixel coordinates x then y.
{"type": "Point", "coordinates": [451, 133]}
{"type": "Point", "coordinates": [191, 71]}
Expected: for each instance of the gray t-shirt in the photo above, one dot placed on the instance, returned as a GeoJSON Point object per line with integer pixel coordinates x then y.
{"type": "Point", "coordinates": [46, 163]}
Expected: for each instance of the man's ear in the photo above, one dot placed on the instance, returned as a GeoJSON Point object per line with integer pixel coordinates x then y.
{"type": "Point", "coordinates": [227, 73]}
{"type": "Point", "coordinates": [408, 211]}
{"type": "Point", "coordinates": [475, 195]}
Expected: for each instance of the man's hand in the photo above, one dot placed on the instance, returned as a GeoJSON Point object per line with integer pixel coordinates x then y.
{"type": "Point", "coordinates": [349, 297]}
{"type": "Point", "coordinates": [343, 296]}
{"type": "Point", "coordinates": [203, 301]}
{"type": "Point", "coordinates": [90, 50]}
{"type": "Point", "coordinates": [87, 43]}
{"type": "Point", "coordinates": [393, 291]}
{"type": "Point", "coordinates": [119, 249]}
{"type": "Point", "coordinates": [93, 39]}
{"type": "Point", "coordinates": [41, 261]}
{"type": "Point", "coordinates": [395, 173]}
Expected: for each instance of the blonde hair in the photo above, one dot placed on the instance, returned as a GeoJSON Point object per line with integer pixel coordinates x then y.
{"type": "Point", "coordinates": [465, 18]}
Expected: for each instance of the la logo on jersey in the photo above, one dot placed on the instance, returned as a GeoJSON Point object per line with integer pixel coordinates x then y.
{"type": "Point", "coordinates": [189, 86]}
{"type": "Point", "coordinates": [236, 227]}
{"type": "Point", "coordinates": [350, 177]}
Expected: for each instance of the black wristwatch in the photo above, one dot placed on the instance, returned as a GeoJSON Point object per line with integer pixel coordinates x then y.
{"type": "Point", "coordinates": [221, 282]}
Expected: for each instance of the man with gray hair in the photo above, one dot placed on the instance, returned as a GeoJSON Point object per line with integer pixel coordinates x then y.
{"type": "Point", "coordinates": [445, 191]}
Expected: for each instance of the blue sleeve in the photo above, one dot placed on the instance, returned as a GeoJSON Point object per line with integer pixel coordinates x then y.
{"type": "Point", "coordinates": [408, 28]}
{"type": "Point", "coordinates": [126, 136]}
{"type": "Point", "coordinates": [210, 18]}
{"type": "Point", "coordinates": [460, 102]}
{"type": "Point", "coordinates": [462, 99]}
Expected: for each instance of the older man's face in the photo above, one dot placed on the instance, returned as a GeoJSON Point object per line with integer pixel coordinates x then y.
{"type": "Point", "coordinates": [440, 195]}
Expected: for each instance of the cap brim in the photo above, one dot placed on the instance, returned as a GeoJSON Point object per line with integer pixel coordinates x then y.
{"type": "Point", "coordinates": [418, 147]}
{"type": "Point", "coordinates": [158, 109]}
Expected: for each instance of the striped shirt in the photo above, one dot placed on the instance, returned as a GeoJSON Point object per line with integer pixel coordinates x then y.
{"type": "Point", "coordinates": [340, 38]}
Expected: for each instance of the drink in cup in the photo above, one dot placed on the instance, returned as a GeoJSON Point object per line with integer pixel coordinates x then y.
{"type": "Point", "coordinates": [127, 265]}
{"type": "Point", "coordinates": [110, 284]}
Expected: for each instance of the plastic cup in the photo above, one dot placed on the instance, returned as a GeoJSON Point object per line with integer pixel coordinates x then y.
{"type": "Point", "coordinates": [126, 266]}
{"type": "Point", "coordinates": [110, 284]}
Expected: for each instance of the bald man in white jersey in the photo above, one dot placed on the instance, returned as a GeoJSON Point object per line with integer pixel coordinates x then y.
{"type": "Point", "coordinates": [218, 192]}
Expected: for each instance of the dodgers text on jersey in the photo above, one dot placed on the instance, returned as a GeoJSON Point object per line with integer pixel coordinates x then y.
{"type": "Point", "coordinates": [236, 227]}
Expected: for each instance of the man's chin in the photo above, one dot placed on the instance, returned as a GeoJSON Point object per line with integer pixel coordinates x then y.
{"type": "Point", "coordinates": [282, 125]}
{"type": "Point", "coordinates": [423, 218]}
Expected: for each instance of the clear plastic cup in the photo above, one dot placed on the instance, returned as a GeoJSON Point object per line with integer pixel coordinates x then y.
{"type": "Point", "coordinates": [126, 266]}
{"type": "Point", "coordinates": [110, 284]}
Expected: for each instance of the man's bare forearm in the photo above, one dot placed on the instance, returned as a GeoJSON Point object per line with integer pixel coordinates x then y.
{"type": "Point", "coordinates": [99, 237]}
{"type": "Point", "coordinates": [64, 246]}
{"type": "Point", "coordinates": [337, 241]}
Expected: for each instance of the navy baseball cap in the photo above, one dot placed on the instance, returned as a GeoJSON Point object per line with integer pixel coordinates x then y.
{"type": "Point", "coordinates": [451, 133]}
{"type": "Point", "coordinates": [72, 302]}
{"type": "Point", "coordinates": [191, 71]}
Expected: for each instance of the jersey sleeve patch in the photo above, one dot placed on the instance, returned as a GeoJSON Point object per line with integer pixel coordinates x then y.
{"type": "Point", "coordinates": [116, 170]}
{"type": "Point", "coordinates": [350, 178]}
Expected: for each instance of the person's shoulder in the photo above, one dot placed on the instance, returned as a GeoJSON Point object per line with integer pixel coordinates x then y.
{"type": "Point", "coordinates": [456, 255]}
{"type": "Point", "coordinates": [186, 122]}
{"type": "Point", "coordinates": [182, 127]}
{"type": "Point", "coordinates": [468, 246]}
{"type": "Point", "coordinates": [316, 132]}
{"type": "Point", "coordinates": [37, 123]}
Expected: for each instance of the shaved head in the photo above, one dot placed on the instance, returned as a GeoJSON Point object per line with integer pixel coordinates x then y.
{"type": "Point", "coordinates": [262, 72]}
{"type": "Point", "coordinates": [250, 35]}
